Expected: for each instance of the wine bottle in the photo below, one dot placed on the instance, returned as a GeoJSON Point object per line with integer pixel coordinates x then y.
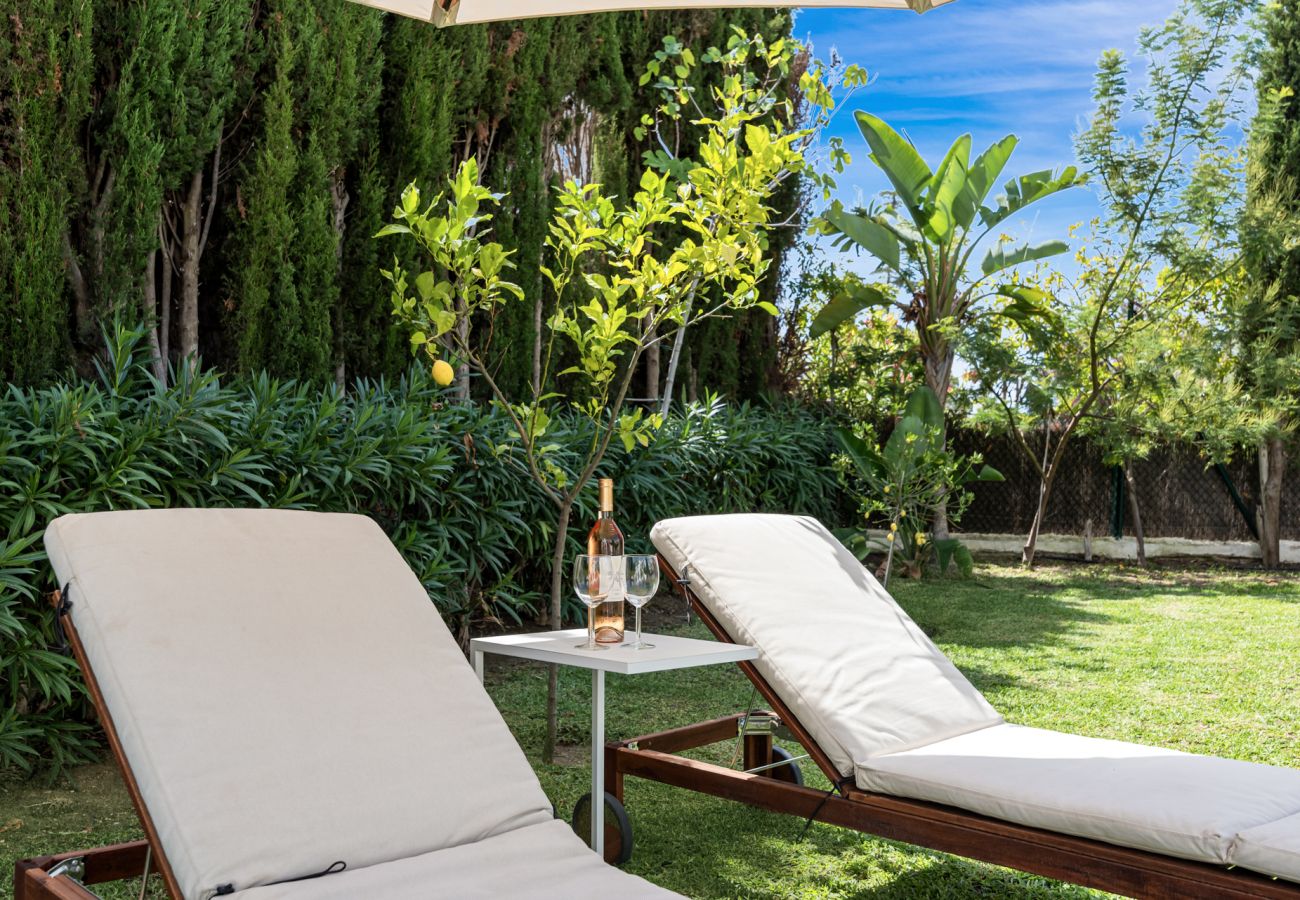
{"type": "Point", "coordinates": [605, 539]}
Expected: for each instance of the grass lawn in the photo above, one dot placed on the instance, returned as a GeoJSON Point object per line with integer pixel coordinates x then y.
{"type": "Point", "coordinates": [1200, 660]}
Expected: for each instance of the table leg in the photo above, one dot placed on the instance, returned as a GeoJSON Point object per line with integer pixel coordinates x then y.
{"type": "Point", "coordinates": [478, 665]}
{"type": "Point", "coordinates": [598, 762]}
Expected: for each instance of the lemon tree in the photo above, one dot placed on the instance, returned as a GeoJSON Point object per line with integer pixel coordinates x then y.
{"type": "Point", "coordinates": [623, 273]}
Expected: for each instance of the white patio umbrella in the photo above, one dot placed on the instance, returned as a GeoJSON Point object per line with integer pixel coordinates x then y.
{"type": "Point", "coordinates": [464, 12]}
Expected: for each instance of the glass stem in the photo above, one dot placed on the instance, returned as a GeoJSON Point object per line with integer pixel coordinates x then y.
{"type": "Point", "coordinates": [638, 627]}
{"type": "Point", "coordinates": [591, 626]}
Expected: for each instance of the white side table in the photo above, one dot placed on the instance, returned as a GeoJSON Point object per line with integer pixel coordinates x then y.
{"type": "Point", "coordinates": [560, 647]}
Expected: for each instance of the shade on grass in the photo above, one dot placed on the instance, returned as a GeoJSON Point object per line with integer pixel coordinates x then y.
{"type": "Point", "coordinates": [1203, 661]}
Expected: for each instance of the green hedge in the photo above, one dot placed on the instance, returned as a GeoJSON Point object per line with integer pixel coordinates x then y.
{"type": "Point", "coordinates": [115, 115]}
{"type": "Point", "coordinates": [440, 478]}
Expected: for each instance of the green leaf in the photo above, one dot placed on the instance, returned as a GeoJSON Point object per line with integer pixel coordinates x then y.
{"type": "Point", "coordinates": [863, 456]}
{"type": "Point", "coordinates": [923, 404]}
{"type": "Point", "coordinates": [979, 180]}
{"type": "Point", "coordinates": [424, 284]}
{"type": "Point", "coordinates": [770, 307]}
{"type": "Point", "coordinates": [868, 234]}
{"type": "Point", "coordinates": [988, 473]}
{"type": "Point", "coordinates": [410, 199]}
{"type": "Point", "coordinates": [949, 551]}
{"type": "Point", "coordinates": [844, 307]}
{"type": "Point", "coordinates": [946, 187]}
{"type": "Point", "coordinates": [898, 159]}
{"type": "Point", "coordinates": [857, 543]}
{"type": "Point", "coordinates": [1026, 303]}
{"type": "Point", "coordinates": [1000, 258]}
{"type": "Point", "coordinates": [1022, 191]}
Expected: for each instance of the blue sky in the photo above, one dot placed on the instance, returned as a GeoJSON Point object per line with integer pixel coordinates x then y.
{"type": "Point", "coordinates": [990, 67]}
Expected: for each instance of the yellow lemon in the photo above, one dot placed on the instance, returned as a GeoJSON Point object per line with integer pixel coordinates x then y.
{"type": "Point", "coordinates": [443, 373]}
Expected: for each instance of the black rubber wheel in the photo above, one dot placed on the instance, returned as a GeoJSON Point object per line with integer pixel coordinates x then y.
{"type": "Point", "coordinates": [618, 829]}
{"type": "Point", "coordinates": [791, 773]}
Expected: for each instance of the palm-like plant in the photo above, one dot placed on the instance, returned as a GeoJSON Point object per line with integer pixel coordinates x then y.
{"type": "Point", "coordinates": [927, 237]}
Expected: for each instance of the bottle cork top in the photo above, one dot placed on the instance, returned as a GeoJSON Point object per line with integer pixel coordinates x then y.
{"type": "Point", "coordinates": [606, 495]}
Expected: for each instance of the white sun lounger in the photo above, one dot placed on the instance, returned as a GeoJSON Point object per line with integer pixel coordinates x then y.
{"type": "Point", "coordinates": [285, 701]}
{"type": "Point", "coordinates": [889, 714]}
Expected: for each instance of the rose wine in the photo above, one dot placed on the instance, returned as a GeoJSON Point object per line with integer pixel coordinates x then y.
{"type": "Point", "coordinates": [605, 539]}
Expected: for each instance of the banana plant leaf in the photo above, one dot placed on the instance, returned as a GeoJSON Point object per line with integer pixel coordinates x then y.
{"type": "Point", "coordinates": [1022, 191]}
{"type": "Point", "coordinates": [844, 307]}
{"type": "Point", "coordinates": [1000, 257]}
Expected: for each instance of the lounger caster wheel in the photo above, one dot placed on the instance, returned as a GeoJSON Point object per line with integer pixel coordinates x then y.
{"type": "Point", "coordinates": [618, 830]}
{"type": "Point", "coordinates": [790, 773]}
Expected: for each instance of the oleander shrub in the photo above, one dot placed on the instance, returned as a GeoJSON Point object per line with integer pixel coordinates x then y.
{"type": "Point", "coordinates": [441, 478]}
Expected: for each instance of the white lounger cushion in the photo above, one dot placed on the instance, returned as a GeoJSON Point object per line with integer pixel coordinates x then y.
{"type": "Point", "coordinates": [540, 862]}
{"type": "Point", "coordinates": [871, 689]}
{"type": "Point", "coordinates": [1273, 849]}
{"type": "Point", "coordinates": [286, 693]}
{"type": "Point", "coordinates": [856, 671]}
{"type": "Point", "coordinates": [1148, 798]}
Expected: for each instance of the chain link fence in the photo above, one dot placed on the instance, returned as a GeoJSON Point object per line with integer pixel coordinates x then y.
{"type": "Point", "coordinates": [1179, 494]}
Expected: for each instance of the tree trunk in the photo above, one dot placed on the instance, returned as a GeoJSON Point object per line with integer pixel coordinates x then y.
{"type": "Point", "coordinates": [462, 340]}
{"type": "Point", "coordinates": [339, 204]}
{"type": "Point", "coordinates": [938, 378]}
{"type": "Point", "coordinates": [538, 315]}
{"type": "Point", "coordinates": [98, 235]}
{"type": "Point", "coordinates": [1044, 492]}
{"type": "Point", "coordinates": [939, 524]}
{"type": "Point", "coordinates": [652, 365]}
{"type": "Point", "coordinates": [166, 257]}
{"type": "Point", "coordinates": [1272, 463]}
{"type": "Point", "coordinates": [1031, 541]}
{"type": "Point", "coordinates": [553, 671]}
{"type": "Point", "coordinates": [938, 371]}
{"type": "Point", "coordinates": [149, 312]}
{"type": "Point", "coordinates": [675, 358]}
{"type": "Point", "coordinates": [191, 233]}
{"type": "Point", "coordinates": [81, 316]}
{"type": "Point", "coordinates": [1036, 528]}
{"type": "Point", "coordinates": [1135, 510]}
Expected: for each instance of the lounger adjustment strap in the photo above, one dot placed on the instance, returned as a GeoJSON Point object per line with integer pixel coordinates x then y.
{"type": "Point", "coordinates": [837, 787]}
{"type": "Point", "coordinates": [61, 609]}
{"type": "Point", "coordinates": [333, 868]}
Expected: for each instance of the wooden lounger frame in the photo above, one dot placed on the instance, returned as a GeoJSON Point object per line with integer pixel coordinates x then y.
{"type": "Point", "coordinates": [1090, 863]}
{"type": "Point", "coordinates": [32, 880]}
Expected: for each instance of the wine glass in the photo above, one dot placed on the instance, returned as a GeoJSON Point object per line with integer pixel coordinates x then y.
{"type": "Point", "coordinates": [593, 579]}
{"type": "Point", "coordinates": [642, 580]}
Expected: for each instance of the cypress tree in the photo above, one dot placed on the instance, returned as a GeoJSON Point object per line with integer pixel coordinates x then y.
{"type": "Point", "coordinates": [265, 304]}
{"type": "Point", "coordinates": [1270, 318]}
{"type": "Point", "coordinates": [166, 80]}
{"type": "Point", "coordinates": [327, 62]}
{"type": "Point", "coordinates": [339, 71]}
{"type": "Point", "coordinates": [45, 60]}
{"type": "Point", "coordinates": [370, 342]}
